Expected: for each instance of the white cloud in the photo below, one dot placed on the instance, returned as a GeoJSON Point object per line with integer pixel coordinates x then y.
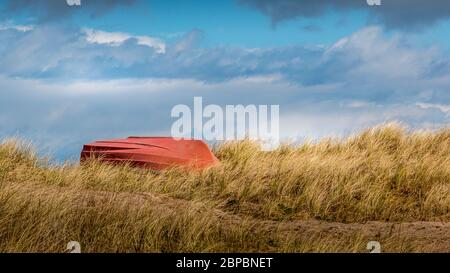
{"type": "Point", "coordinates": [21, 28]}
{"type": "Point", "coordinates": [60, 116]}
{"type": "Point", "coordinates": [371, 53]}
{"type": "Point", "coordinates": [369, 57]}
{"type": "Point", "coordinates": [118, 38]}
{"type": "Point", "coordinates": [444, 108]}
{"type": "Point", "coordinates": [359, 104]}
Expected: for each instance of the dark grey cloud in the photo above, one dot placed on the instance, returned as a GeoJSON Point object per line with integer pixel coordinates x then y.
{"type": "Point", "coordinates": [403, 14]}
{"type": "Point", "coordinates": [312, 28]}
{"type": "Point", "coordinates": [50, 10]}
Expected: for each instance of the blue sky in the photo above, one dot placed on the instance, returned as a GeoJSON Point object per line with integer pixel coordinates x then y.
{"type": "Point", "coordinates": [226, 23]}
{"type": "Point", "coordinates": [69, 75]}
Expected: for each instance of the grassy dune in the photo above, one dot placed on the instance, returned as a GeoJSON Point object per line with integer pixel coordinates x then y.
{"type": "Point", "coordinates": [384, 184]}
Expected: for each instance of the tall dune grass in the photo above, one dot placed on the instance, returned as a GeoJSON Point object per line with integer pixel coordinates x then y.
{"type": "Point", "coordinates": [333, 195]}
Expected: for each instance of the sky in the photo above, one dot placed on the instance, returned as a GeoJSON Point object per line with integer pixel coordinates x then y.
{"type": "Point", "coordinates": [115, 68]}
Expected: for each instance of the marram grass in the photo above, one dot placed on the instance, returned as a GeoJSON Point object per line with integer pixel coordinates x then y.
{"type": "Point", "coordinates": [385, 184]}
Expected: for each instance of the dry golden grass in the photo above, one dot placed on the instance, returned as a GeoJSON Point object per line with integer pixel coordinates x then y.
{"type": "Point", "coordinates": [383, 184]}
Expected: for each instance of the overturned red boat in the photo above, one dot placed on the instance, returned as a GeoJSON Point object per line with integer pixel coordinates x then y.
{"type": "Point", "coordinates": [155, 153]}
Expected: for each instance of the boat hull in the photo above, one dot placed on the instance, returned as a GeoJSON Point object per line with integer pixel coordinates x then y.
{"type": "Point", "coordinates": [155, 153]}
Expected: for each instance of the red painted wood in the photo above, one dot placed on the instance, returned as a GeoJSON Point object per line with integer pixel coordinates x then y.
{"type": "Point", "coordinates": [152, 152]}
